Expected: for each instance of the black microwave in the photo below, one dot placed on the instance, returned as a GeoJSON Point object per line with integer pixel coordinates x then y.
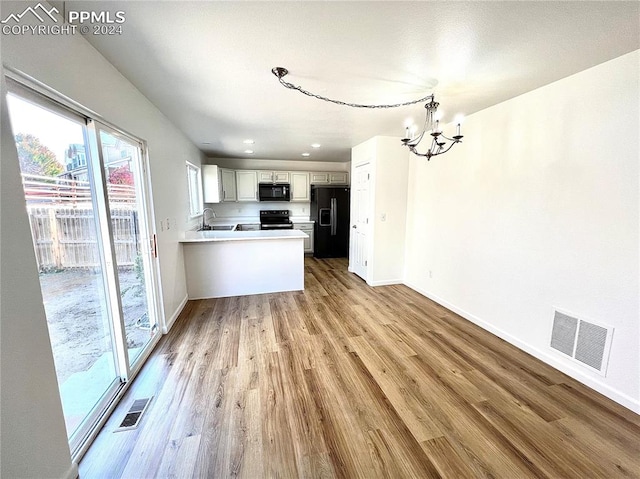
{"type": "Point", "coordinates": [274, 192]}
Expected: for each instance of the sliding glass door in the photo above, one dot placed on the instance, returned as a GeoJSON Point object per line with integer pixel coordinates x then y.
{"type": "Point", "coordinates": [133, 242]}
{"type": "Point", "coordinates": [87, 200]}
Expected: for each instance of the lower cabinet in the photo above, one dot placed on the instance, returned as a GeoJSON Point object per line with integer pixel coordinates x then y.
{"type": "Point", "coordinates": [308, 229]}
{"type": "Point", "coordinates": [249, 227]}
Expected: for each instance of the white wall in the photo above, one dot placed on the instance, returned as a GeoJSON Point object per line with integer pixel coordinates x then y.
{"type": "Point", "coordinates": [71, 66]}
{"type": "Point", "coordinates": [390, 177]}
{"type": "Point", "coordinates": [388, 169]}
{"type": "Point", "coordinates": [538, 208]}
{"type": "Point", "coordinates": [280, 165]}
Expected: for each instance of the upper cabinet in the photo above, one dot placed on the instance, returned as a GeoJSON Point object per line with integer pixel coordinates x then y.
{"type": "Point", "coordinates": [281, 177]}
{"type": "Point", "coordinates": [247, 185]}
{"type": "Point", "coordinates": [265, 176]}
{"type": "Point", "coordinates": [211, 183]}
{"type": "Point", "coordinates": [228, 185]}
{"type": "Point", "coordinates": [329, 178]}
{"type": "Point", "coordinates": [225, 185]}
{"type": "Point", "coordinates": [273, 177]}
{"type": "Point", "coordinates": [219, 184]}
{"type": "Point", "coordinates": [339, 178]}
{"type": "Point", "coordinates": [300, 186]}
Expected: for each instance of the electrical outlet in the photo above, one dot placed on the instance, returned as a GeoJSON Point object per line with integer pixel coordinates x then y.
{"type": "Point", "coordinates": [383, 217]}
{"type": "Point", "coordinates": [168, 223]}
{"type": "Point", "coordinates": [430, 274]}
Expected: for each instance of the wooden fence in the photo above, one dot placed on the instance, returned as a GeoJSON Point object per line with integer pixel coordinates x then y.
{"type": "Point", "coordinates": [66, 237]}
{"type": "Point", "coordinates": [63, 224]}
{"type": "Point", "coordinates": [48, 190]}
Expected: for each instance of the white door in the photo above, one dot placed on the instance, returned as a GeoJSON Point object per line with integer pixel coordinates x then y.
{"type": "Point", "coordinates": [360, 220]}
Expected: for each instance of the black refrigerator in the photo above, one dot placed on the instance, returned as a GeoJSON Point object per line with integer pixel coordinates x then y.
{"type": "Point", "coordinates": [330, 211]}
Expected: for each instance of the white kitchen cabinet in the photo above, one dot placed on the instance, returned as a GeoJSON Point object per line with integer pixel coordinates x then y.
{"type": "Point", "coordinates": [273, 176]}
{"type": "Point", "coordinates": [228, 185]}
{"type": "Point", "coordinates": [308, 229]}
{"type": "Point", "coordinates": [299, 186]}
{"type": "Point", "coordinates": [329, 178]}
{"type": "Point", "coordinates": [265, 176]}
{"type": "Point", "coordinates": [339, 178]}
{"type": "Point", "coordinates": [281, 176]}
{"type": "Point", "coordinates": [249, 227]}
{"type": "Point", "coordinates": [211, 183]}
{"type": "Point", "coordinates": [319, 178]}
{"type": "Point", "coordinates": [246, 185]}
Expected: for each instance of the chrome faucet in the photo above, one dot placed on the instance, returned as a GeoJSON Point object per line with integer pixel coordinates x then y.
{"type": "Point", "coordinates": [205, 226]}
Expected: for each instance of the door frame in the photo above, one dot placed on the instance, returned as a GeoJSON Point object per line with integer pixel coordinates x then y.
{"type": "Point", "coordinates": [24, 85]}
{"type": "Point", "coordinates": [355, 208]}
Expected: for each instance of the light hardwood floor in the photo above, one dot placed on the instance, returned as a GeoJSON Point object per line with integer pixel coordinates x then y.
{"type": "Point", "coordinates": [344, 380]}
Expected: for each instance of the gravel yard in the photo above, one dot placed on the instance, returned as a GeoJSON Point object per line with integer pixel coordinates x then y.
{"type": "Point", "coordinates": [73, 300]}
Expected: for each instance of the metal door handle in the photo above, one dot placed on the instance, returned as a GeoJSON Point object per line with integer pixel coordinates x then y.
{"type": "Point", "coordinates": [334, 219]}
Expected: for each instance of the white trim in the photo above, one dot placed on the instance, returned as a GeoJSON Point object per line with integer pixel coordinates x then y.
{"type": "Point", "coordinates": [72, 472]}
{"type": "Point", "coordinates": [174, 316]}
{"type": "Point", "coordinates": [384, 282]}
{"type": "Point", "coordinates": [627, 401]}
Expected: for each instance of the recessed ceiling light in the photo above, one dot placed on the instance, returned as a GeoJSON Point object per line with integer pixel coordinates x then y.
{"type": "Point", "coordinates": [306, 154]}
{"type": "Point", "coordinates": [249, 152]}
{"type": "Point", "coordinates": [248, 142]}
{"type": "Point", "coordinates": [315, 145]}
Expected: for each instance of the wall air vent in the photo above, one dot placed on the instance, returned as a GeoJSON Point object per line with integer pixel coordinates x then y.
{"type": "Point", "coordinates": [583, 341]}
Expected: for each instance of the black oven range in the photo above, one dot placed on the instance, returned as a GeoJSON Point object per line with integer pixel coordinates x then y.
{"type": "Point", "coordinates": [275, 220]}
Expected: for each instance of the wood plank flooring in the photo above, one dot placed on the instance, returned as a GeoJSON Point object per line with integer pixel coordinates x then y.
{"type": "Point", "coordinates": [343, 380]}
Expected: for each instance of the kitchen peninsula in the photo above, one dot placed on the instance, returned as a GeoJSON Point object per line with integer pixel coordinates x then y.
{"type": "Point", "coordinates": [237, 263]}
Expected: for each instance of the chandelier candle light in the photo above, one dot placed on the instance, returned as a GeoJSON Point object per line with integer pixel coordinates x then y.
{"type": "Point", "coordinates": [431, 125]}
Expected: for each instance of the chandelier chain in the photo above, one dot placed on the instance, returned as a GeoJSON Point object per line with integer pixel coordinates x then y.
{"type": "Point", "coordinates": [291, 86]}
{"type": "Point", "coordinates": [431, 125]}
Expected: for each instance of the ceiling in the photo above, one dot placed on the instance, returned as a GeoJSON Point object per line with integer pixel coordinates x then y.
{"type": "Point", "coordinates": [207, 65]}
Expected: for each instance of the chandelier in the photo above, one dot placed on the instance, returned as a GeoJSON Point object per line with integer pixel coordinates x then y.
{"type": "Point", "coordinates": [431, 124]}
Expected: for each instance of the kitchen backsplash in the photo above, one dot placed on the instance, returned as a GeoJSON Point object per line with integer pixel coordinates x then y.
{"type": "Point", "coordinates": [228, 210]}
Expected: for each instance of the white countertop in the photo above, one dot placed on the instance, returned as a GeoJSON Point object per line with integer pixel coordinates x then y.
{"type": "Point", "coordinates": [213, 236]}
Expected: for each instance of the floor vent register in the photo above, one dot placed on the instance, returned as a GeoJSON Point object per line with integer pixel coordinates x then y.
{"type": "Point", "coordinates": [134, 415]}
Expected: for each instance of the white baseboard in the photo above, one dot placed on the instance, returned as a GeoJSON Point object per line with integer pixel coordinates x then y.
{"type": "Point", "coordinates": [166, 328]}
{"type": "Point", "coordinates": [384, 282]}
{"type": "Point", "coordinates": [621, 398]}
{"type": "Point", "coordinates": [72, 473]}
